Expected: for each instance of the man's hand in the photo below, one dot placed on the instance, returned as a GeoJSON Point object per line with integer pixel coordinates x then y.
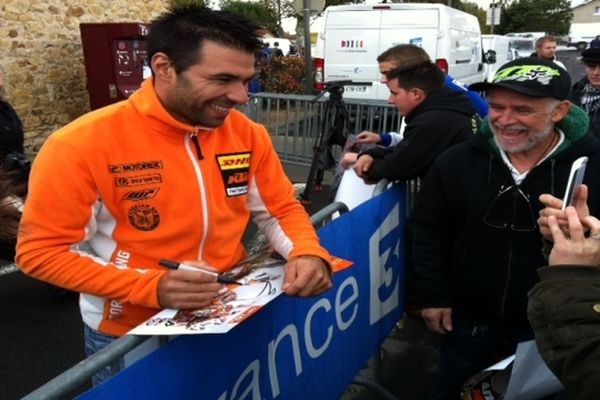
{"type": "Point", "coordinates": [368, 137]}
{"type": "Point", "coordinates": [348, 160]}
{"type": "Point", "coordinates": [184, 289]}
{"type": "Point", "coordinates": [575, 249]}
{"type": "Point", "coordinates": [553, 207]}
{"type": "Point", "coordinates": [306, 276]}
{"type": "Point", "coordinates": [362, 166]}
{"type": "Point", "coordinates": [438, 320]}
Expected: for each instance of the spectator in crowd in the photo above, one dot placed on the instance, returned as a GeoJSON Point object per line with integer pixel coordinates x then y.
{"type": "Point", "coordinates": [586, 92]}
{"type": "Point", "coordinates": [563, 308]}
{"type": "Point", "coordinates": [595, 42]}
{"type": "Point", "coordinates": [436, 117]}
{"type": "Point", "coordinates": [388, 62]}
{"type": "Point", "coordinates": [12, 153]}
{"type": "Point", "coordinates": [277, 52]}
{"type": "Point", "coordinates": [545, 47]}
{"type": "Point", "coordinates": [10, 214]}
{"type": "Point", "coordinates": [14, 171]}
{"type": "Point", "coordinates": [265, 53]}
{"type": "Point", "coordinates": [476, 243]}
{"type": "Point", "coordinates": [182, 184]}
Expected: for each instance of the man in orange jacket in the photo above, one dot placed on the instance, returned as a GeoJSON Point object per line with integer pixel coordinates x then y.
{"type": "Point", "coordinates": [173, 172]}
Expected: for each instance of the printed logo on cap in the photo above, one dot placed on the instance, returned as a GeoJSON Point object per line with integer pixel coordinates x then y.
{"type": "Point", "coordinates": [523, 73]}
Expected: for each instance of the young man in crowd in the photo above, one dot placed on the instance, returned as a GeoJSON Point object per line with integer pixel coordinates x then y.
{"type": "Point", "coordinates": [545, 47]}
{"type": "Point", "coordinates": [436, 117]}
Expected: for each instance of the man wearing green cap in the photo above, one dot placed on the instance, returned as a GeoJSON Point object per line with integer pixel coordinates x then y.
{"type": "Point", "coordinates": [476, 242]}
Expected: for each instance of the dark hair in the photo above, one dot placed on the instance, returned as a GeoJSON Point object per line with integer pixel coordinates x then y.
{"type": "Point", "coordinates": [425, 76]}
{"type": "Point", "coordinates": [543, 40]}
{"type": "Point", "coordinates": [181, 31]}
{"type": "Point", "coordinates": [404, 55]}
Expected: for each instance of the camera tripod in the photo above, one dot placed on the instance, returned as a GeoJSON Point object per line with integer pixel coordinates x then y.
{"type": "Point", "coordinates": [333, 128]}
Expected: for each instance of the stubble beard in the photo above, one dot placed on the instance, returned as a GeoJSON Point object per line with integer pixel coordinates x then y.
{"type": "Point", "coordinates": [529, 144]}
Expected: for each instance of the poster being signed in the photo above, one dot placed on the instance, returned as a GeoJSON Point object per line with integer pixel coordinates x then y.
{"type": "Point", "coordinates": [261, 279]}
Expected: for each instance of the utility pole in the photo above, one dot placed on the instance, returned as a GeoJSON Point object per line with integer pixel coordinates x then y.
{"type": "Point", "coordinates": [308, 70]}
{"type": "Point", "coordinates": [493, 16]}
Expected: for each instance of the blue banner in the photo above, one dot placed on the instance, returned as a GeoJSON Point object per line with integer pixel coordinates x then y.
{"type": "Point", "coordinates": [294, 348]}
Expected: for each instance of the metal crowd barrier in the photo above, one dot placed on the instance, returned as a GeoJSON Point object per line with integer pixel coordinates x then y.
{"type": "Point", "coordinates": [77, 375]}
{"type": "Point", "coordinates": [294, 121]}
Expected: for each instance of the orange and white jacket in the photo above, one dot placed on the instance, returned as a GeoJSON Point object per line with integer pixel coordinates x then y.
{"type": "Point", "coordinates": [124, 186]}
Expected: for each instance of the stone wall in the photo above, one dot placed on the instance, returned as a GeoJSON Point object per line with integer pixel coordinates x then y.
{"type": "Point", "coordinates": [42, 57]}
{"type": "Point", "coordinates": [586, 12]}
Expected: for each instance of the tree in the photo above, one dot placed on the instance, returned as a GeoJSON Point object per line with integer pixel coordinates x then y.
{"type": "Point", "coordinates": [552, 16]}
{"type": "Point", "coordinates": [474, 9]}
{"type": "Point", "coordinates": [183, 3]}
{"type": "Point", "coordinates": [259, 13]}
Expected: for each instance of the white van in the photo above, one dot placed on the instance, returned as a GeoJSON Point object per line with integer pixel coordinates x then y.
{"type": "Point", "coordinates": [354, 35]}
{"type": "Point", "coordinates": [582, 33]}
{"type": "Point", "coordinates": [500, 45]}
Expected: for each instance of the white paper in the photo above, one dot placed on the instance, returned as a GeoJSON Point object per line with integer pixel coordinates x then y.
{"type": "Point", "coordinates": [353, 191]}
{"type": "Point", "coordinates": [233, 305]}
{"type": "Point", "coordinates": [530, 378]}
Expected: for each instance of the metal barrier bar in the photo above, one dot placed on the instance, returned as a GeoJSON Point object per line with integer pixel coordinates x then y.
{"type": "Point", "coordinates": [294, 121]}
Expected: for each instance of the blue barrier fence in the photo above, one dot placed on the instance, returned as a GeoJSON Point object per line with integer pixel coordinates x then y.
{"type": "Point", "coordinates": [293, 348]}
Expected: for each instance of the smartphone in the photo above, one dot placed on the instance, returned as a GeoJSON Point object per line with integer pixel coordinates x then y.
{"type": "Point", "coordinates": [575, 180]}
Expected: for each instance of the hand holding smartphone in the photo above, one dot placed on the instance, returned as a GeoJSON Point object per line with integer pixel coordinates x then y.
{"type": "Point", "coordinates": [575, 180]}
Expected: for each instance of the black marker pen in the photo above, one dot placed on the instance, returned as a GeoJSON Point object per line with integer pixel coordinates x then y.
{"type": "Point", "coordinates": [175, 265]}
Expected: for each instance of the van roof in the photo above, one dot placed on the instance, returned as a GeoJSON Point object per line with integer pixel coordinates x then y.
{"type": "Point", "coordinates": [380, 6]}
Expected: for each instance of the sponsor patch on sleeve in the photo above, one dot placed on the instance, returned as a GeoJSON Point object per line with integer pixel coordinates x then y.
{"type": "Point", "coordinates": [234, 170]}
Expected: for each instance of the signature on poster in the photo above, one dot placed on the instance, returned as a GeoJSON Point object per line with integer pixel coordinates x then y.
{"type": "Point", "coordinates": [261, 278]}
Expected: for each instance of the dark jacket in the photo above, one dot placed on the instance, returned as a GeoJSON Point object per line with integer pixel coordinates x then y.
{"type": "Point", "coordinates": [12, 160]}
{"type": "Point", "coordinates": [564, 311]}
{"type": "Point", "coordinates": [462, 258]}
{"type": "Point", "coordinates": [444, 119]}
{"type": "Point", "coordinates": [11, 130]}
{"type": "Point", "coordinates": [575, 97]}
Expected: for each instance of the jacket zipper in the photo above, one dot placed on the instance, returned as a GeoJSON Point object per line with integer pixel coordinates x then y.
{"type": "Point", "coordinates": [201, 186]}
{"type": "Point", "coordinates": [194, 138]}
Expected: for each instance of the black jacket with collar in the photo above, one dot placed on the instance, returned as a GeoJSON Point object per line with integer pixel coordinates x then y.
{"type": "Point", "coordinates": [575, 97]}
{"type": "Point", "coordinates": [11, 130]}
{"type": "Point", "coordinates": [442, 120]}
{"type": "Point", "coordinates": [466, 264]}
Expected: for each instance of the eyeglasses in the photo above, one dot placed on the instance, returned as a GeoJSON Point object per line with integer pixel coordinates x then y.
{"type": "Point", "coordinates": [511, 209]}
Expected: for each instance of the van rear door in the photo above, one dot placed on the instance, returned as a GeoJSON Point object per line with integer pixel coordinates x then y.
{"type": "Point", "coordinates": [355, 38]}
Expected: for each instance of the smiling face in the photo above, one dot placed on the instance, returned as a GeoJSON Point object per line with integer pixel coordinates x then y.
{"type": "Point", "coordinates": [523, 124]}
{"type": "Point", "coordinates": [205, 93]}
